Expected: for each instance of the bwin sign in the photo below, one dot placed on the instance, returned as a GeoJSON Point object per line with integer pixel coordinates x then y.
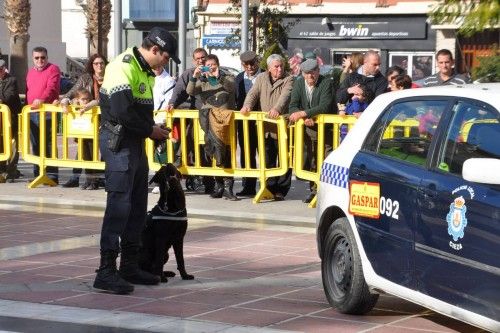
{"type": "Point", "coordinates": [358, 31]}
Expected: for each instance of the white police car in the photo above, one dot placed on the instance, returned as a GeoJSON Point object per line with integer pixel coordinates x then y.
{"type": "Point", "coordinates": [409, 204]}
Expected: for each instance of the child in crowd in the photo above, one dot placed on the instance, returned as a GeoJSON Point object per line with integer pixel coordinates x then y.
{"type": "Point", "coordinates": [401, 82]}
{"type": "Point", "coordinates": [83, 102]}
{"type": "Point", "coordinates": [359, 102]}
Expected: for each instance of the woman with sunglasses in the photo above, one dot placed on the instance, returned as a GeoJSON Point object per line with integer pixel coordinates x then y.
{"type": "Point", "coordinates": [91, 80]}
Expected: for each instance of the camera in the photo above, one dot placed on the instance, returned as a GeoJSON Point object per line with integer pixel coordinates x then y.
{"type": "Point", "coordinates": [204, 69]}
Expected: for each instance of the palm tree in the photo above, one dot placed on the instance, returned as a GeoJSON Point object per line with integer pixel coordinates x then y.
{"type": "Point", "coordinates": [17, 17]}
{"type": "Point", "coordinates": [92, 10]}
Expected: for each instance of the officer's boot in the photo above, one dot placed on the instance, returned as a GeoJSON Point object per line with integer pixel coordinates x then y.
{"type": "Point", "coordinates": [129, 266]}
{"type": "Point", "coordinates": [107, 277]}
{"type": "Point", "coordinates": [228, 189]}
{"type": "Point", "coordinates": [219, 188]}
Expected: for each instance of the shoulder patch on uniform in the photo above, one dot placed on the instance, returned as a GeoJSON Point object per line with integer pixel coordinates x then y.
{"type": "Point", "coordinates": [127, 58]}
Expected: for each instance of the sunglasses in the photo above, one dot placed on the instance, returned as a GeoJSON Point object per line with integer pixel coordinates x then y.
{"type": "Point", "coordinates": [98, 63]}
{"type": "Point", "coordinates": [40, 57]}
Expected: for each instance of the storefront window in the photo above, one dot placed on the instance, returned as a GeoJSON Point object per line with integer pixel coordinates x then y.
{"type": "Point", "coordinates": [153, 10]}
{"type": "Point", "coordinates": [337, 55]}
{"type": "Point", "coordinates": [420, 63]}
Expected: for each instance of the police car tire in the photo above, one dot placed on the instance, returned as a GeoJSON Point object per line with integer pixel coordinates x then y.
{"type": "Point", "coordinates": [342, 273]}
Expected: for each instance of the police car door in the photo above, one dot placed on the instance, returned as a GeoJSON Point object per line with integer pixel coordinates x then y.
{"type": "Point", "coordinates": [389, 166]}
{"type": "Point", "coordinates": [457, 241]}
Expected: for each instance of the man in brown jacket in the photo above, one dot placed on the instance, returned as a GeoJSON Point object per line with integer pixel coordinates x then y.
{"type": "Point", "coordinates": [272, 90]}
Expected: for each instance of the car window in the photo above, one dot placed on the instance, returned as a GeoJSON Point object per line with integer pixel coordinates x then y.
{"type": "Point", "coordinates": [474, 132]}
{"type": "Point", "coordinates": [406, 129]}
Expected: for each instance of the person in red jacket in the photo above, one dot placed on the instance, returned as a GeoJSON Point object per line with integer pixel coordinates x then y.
{"type": "Point", "coordinates": [42, 86]}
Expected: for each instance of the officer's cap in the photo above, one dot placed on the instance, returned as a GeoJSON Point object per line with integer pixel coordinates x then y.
{"type": "Point", "coordinates": [309, 65]}
{"type": "Point", "coordinates": [165, 41]}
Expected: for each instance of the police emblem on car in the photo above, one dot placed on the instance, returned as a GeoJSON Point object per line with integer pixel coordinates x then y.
{"type": "Point", "coordinates": [456, 218]}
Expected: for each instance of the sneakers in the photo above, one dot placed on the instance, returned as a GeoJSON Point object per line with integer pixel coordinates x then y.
{"type": "Point", "coordinates": [156, 190]}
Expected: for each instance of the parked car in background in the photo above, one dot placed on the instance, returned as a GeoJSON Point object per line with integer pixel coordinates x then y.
{"type": "Point", "coordinates": [409, 204]}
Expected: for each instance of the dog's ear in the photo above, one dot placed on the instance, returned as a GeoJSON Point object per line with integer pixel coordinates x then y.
{"type": "Point", "coordinates": [159, 176]}
{"type": "Point", "coordinates": [170, 170]}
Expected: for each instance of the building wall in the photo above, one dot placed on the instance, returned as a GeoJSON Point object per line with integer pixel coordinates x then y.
{"type": "Point", "coordinates": [310, 34]}
{"type": "Point", "coordinates": [45, 30]}
{"type": "Point", "coordinates": [73, 24]}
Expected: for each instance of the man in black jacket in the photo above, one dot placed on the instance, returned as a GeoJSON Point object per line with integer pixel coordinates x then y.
{"type": "Point", "coordinates": [9, 95]}
{"type": "Point", "coordinates": [368, 75]}
{"type": "Point", "coordinates": [244, 81]}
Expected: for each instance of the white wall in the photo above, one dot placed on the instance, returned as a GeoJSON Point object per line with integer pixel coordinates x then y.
{"type": "Point", "coordinates": [73, 24]}
{"type": "Point", "coordinates": [44, 30]}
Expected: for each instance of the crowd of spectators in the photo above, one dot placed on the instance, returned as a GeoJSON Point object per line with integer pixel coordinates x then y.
{"type": "Point", "coordinates": [294, 89]}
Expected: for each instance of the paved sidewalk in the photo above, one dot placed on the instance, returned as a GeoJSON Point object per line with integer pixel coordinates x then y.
{"type": "Point", "coordinates": [256, 269]}
{"type": "Point", "coordinates": [290, 211]}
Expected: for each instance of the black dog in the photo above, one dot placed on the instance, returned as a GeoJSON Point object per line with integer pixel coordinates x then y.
{"type": "Point", "coordinates": [166, 226]}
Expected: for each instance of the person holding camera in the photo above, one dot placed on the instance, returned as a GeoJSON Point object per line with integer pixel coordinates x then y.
{"type": "Point", "coordinates": [126, 101]}
{"type": "Point", "coordinates": [216, 91]}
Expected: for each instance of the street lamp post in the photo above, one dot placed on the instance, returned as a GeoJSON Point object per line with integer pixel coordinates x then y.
{"type": "Point", "coordinates": [254, 5]}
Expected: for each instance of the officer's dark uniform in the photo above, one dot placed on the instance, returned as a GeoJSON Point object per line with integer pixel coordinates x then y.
{"type": "Point", "coordinates": [126, 98]}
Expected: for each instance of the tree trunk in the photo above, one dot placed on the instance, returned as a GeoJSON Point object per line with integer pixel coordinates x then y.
{"type": "Point", "coordinates": [93, 45]}
{"type": "Point", "coordinates": [18, 60]}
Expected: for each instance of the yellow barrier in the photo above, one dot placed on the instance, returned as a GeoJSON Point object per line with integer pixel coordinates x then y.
{"type": "Point", "coordinates": [403, 126]}
{"type": "Point", "coordinates": [75, 126]}
{"type": "Point", "coordinates": [6, 132]}
{"type": "Point", "coordinates": [335, 121]}
{"type": "Point", "coordinates": [323, 121]}
{"type": "Point", "coordinates": [261, 172]}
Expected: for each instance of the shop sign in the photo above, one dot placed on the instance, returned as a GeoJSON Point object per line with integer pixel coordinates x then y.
{"type": "Point", "coordinates": [223, 28]}
{"type": "Point", "coordinates": [218, 41]}
{"type": "Point", "coordinates": [360, 30]}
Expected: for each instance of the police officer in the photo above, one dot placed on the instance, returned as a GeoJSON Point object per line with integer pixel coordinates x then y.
{"type": "Point", "coordinates": [126, 101]}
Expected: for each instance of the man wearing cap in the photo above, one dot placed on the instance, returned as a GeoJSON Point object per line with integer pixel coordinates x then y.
{"type": "Point", "coordinates": [311, 95]}
{"type": "Point", "coordinates": [244, 81]}
{"type": "Point", "coordinates": [126, 101]}
{"type": "Point", "coordinates": [9, 95]}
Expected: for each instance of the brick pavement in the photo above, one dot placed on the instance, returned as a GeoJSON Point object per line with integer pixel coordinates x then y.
{"type": "Point", "coordinates": [250, 276]}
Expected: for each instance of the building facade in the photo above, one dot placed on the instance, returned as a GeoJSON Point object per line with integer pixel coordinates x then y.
{"type": "Point", "coordinates": [399, 29]}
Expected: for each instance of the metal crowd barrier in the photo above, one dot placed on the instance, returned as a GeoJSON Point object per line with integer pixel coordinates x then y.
{"type": "Point", "coordinates": [75, 127]}
{"type": "Point", "coordinates": [403, 127]}
{"type": "Point", "coordinates": [6, 132]}
{"type": "Point", "coordinates": [182, 117]}
{"type": "Point", "coordinates": [328, 129]}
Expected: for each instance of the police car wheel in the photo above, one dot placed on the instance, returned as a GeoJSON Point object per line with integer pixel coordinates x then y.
{"type": "Point", "coordinates": [342, 273]}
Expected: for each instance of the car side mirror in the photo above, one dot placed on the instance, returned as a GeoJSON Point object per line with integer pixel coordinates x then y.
{"type": "Point", "coordinates": [482, 170]}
